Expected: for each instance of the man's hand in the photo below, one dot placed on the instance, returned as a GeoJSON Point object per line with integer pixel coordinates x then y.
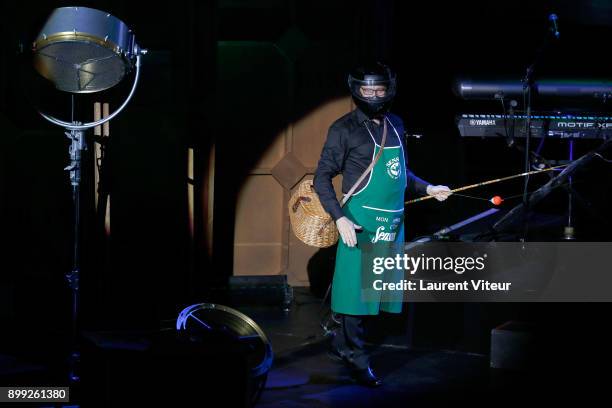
{"type": "Point", "coordinates": [441, 193]}
{"type": "Point", "coordinates": [347, 231]}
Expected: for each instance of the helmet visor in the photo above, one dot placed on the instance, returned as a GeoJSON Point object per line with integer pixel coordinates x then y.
{"type": "Point", "coordinates": [373, 88]}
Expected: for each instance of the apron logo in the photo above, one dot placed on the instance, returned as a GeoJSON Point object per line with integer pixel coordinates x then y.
{"type": "Point", "coordinates": [393, 168]}
{"type": "Point", "coordinates": [381, 235]}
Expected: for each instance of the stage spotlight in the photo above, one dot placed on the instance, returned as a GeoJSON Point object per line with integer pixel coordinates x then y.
{"type": "Point", "coordinates": [83, 50]}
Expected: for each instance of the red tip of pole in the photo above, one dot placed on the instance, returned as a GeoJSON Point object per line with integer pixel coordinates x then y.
{"type": "Point", "coordinates": [497, 200]}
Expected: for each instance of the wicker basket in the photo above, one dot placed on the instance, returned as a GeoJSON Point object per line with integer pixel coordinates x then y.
{"type": "Point", "coordinates": [310, 222]}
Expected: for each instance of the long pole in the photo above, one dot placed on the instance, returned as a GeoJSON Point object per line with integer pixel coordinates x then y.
{"type": "Point", "coordinates": [484, 183]}
{"type": "Point", "coordinates": [77, 145]}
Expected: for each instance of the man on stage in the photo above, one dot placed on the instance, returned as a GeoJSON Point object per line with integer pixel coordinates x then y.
{"type": "Point", "coordinates": [376, 205]}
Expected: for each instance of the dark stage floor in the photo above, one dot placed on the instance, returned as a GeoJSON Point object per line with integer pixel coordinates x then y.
{"type": "Point", "coordinates": [411, 378]}
{"type": "Point", "coordinates": [303, 375]}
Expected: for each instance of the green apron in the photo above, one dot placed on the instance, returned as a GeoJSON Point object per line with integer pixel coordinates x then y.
{"type": "Point", "coordinates": [379, 209]}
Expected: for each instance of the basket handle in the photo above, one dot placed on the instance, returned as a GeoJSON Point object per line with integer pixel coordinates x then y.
{"type": "Point", "coordinates": [297, 202]}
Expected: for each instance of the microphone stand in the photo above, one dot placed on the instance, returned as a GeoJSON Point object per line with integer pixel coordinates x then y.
{"type": "Point", "coordinates": [528, 89]}
{"type": "Point", "coordinates": [568, 230]}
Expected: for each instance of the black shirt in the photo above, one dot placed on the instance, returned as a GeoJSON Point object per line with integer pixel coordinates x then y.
{"type": "Point", "coordinates": [348, 150]}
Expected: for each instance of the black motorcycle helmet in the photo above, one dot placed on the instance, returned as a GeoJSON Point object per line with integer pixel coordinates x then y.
{"type": "Point", "coordinates": [377, 74]}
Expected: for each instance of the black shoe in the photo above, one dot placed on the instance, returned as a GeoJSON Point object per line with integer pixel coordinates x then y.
{"type": "Point", "coordinates": [366, 377]}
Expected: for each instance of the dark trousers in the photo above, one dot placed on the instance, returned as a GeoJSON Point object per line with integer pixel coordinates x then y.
{"type": "Point", "coordinates": [349, 341]}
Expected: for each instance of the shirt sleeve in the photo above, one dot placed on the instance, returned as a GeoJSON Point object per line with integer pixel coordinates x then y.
{"type": "Point", "coordinates": [330, 165]}
{"type": "Point", "coordinates": [416, 185]}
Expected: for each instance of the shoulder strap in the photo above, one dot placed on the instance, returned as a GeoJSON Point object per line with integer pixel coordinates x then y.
{"type": "Point", "coordinates": [370, 167]}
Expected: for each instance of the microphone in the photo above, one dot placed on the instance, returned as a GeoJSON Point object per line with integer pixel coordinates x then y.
{"type": "Point", "coordinates": [412, 135]}
{"type": "Point", "coordinates": [554, 27]}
